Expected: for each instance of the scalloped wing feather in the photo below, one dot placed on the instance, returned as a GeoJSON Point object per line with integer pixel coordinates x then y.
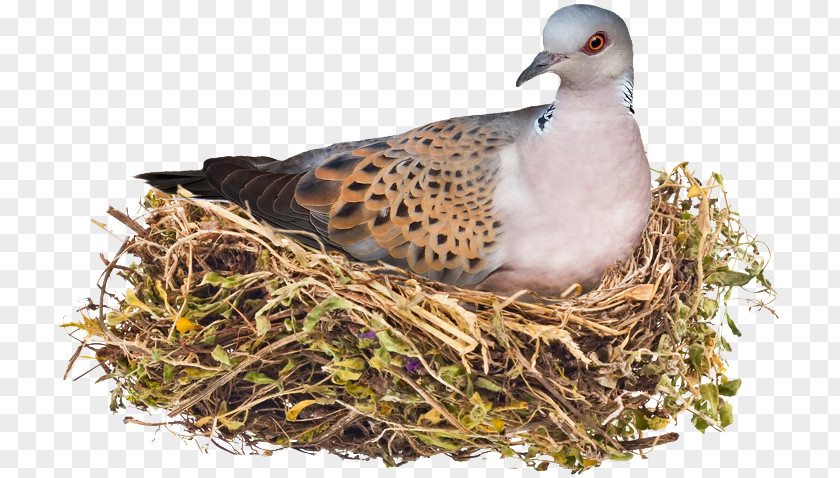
{"type": "Point", "coordinates": [422, 199]}
{"type": "Point", "coordinates": [424, 196]}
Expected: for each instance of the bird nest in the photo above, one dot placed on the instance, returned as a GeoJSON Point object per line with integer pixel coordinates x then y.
{"type": "Point", "coordinates": [258, 343]}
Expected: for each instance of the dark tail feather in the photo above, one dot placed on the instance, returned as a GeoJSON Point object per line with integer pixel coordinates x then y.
{"type": "Point", "coordinates": [196, 182]}
{"type": "Point", "coordinates": [192, 181]}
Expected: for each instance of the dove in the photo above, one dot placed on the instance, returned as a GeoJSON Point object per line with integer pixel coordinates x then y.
{"type": "Point", "coordinates": [544, 198]}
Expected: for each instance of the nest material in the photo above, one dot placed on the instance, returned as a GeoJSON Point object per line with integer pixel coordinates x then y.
{"type": "Point", "coordinates": [259, 343]}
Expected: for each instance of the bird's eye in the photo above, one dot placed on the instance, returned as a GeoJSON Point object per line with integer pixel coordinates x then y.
{"type": "Point", "coordinates": [596, 42]}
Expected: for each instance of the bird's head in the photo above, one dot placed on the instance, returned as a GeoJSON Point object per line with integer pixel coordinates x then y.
{"type": "Point", "coordinates": [584, 44]}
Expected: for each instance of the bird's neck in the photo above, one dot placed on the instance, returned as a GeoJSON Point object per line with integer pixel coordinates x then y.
{"type": "Point", "coordinates": [577, 104]}
{"type": "Point", "coordinates": [612, 95]}
{"type": "Point", "coordinates": [585, 130]}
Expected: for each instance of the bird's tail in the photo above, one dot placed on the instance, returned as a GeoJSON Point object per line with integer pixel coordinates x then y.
{"type": "Point", "coordinates": [196, 181]}
{"type": "Point", "coordinates": [193, 181]}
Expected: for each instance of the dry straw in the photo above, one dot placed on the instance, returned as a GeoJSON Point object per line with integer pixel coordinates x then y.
{"type": "Point", "coordinates": [258, 343]}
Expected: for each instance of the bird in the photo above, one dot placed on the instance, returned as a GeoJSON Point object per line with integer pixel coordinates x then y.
{"type": "Point", "coordinates": [543, 199]}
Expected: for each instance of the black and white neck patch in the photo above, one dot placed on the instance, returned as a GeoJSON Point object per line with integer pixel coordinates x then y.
{"type": "Point", "coordinates": [626, 89]}
{"type": "Point", "coordinates": [543, 120]}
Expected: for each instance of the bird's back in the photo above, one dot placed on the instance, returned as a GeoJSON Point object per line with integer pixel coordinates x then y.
{"type": "Point", "coordinates": [423, 199]}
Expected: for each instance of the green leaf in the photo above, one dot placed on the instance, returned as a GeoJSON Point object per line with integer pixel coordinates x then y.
{"type": "Point", "coordinates": [380, 358]}
{"type": "Point", "coordinates": [487, 385]}
{"type": "Point", "coordinates": [220, 355]}
{"type": "Point", "coordinates": [732, 326]}
{"type": "Point", "coordinates": [533, 451]}
{"type": "Point", "coordinates": [354, 363]}
{"type": "Point", "coordinates": [618, 456]}
{"type": "Point", "coordinates": [359, 391]}
{"type": "Point", "coordinates": [730, 388]}
{"type": "Point", "coordinates": [652, 369]}
{"type": "Point", "coordinates": [134, 301]}
{"type": "Point", "coordinates": [710, 307]}
{"type": "Point", "coordinates": [211, 278]}
{"type": "Point", "coordinates": [709, 392]}
{"type": "Point", "coordinates": [450, 373]}
{"type": "Point", "coordinates": [231, 424]}
{"type": "Point", "coordinates": [157, 354]}
{"type": "Point", "coordinates": [263, 325]}
{"type": "Point", "coordinates": [348, 369]}
{"type": "Point", "coordinates": [210, 336]}
{"type": "Point", "coordinates": [725, 344]}
{"type": "Point", "coordinates": [568, 456]}
{"type": "Point", "coordinates": [726, 416]}
{"type": "Point", "coordinates": [168, 372]}
{"type": "Point", "coordinates": [439, 441]}
{"type": "Point", "coordinates": [702, 330]}
{"type": "Point", "coordinates": [195, 373]}
{"type": "Point", "coordinates": [695, 355]}
{"type": "Point", "coordinates": [682, 310]}
{"type": "Point", "coordinates": [657, 423]}
{"type": "Point", "coordinates": [718, 178]}
{"type": "Point", "coordinates": [392, 343]}
{"type": "Point", "coordinates": [314, 315]}
{"type": "Point", "coordinates": [112, 318]}
{"type": "Point", "coordinates": [258, 377]}
{"type": "Point", "coordinates": [665, 386]}
{"type": "Point", "coordinates": [728, 278]}
{"type": "Point", "coordinates": [383, 355]}
{"type": "Point", "coordinates": [194, 311]}
{"type": "Point", "coordinates": [700, 423]}
{"type": "Point", "coordinates": [235, 281]}
{"type": "Point", "coordinates": [290, 364]}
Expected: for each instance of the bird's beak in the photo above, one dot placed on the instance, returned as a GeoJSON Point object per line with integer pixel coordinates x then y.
{"type": "Point", "coordinates": [540, 65]}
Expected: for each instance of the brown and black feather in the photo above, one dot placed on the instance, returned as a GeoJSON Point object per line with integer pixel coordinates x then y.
{"type": "Point", "coordinates": [422, 199]}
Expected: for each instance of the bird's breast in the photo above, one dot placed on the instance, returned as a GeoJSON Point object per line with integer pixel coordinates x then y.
{"type": "Point", "coordinates": [572, 204]}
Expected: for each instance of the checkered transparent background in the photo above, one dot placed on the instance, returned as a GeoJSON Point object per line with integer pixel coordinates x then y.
{"type": "Point", "coordinates": [92, 93]}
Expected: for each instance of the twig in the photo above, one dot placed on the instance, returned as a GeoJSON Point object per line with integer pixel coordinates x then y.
{"type": "Point", "coordinates": [128, 221]}
{"type": "Point", "coordinates": [650, 441]}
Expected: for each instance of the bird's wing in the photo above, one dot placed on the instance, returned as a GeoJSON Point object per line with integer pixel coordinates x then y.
{"type": "Point", "coordinates": [422, 199]}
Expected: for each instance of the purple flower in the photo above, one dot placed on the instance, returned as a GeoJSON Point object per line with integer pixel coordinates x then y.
{"type": "Point", "coordinates": [368, 335]}
{"type": "Point", "coordinates": [412, 363]}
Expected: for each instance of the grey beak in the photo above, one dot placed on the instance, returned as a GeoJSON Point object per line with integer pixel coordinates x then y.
{"type": "Point", "coordinates": [540, 65]}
